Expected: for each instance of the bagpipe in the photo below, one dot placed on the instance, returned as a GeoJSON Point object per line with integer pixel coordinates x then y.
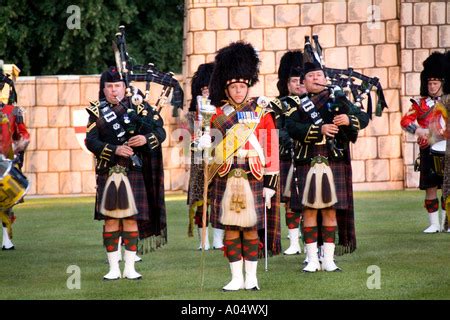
{"type": "Point", "coordinates": [147, 74]}
{"type": "Point", "coordinates": [355, 85]}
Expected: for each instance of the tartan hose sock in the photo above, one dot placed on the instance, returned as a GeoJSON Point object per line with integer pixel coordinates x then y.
{"type": "Point", "coordinates": [130, 240]}
{"type": "Point", "coordinates": [250, 249]}
{"type": "Point", "coordinates": [233, 249]}
{"type": "Point", "coordinates": [111, 240]}
{"type": "Point", "coordinates": [292, 219]}
{"type": "Point", "coordinates": [310, 234]}
{"type": "Point", "coordinates": [431, 205]}
{"type": "Point", "coordinates": [329, 234]}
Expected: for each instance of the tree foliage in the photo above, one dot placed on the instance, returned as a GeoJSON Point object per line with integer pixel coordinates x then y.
{"type": "Point", "coordinates": [35, 35]}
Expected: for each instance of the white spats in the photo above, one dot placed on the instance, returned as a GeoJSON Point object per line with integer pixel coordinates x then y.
{"type": "Point", "coordinates": [114, 270]}
{"type": "Point", "coordinates": [7, 243]}
{"type": "Point", "coordinates": [251, 281]}
{"type": "Point", "coordinates": [218, 238]}
{"type": "Point", "coordinates": [434, 223]}
{"type": "Point", "coordinates": [313, 259]}
{"type": "Point", "coordinates": [237, 277]}
{"type": "Point", "coordinates": [129, 272]}
{"type": "Point", "coordinates": [294, 247]}
{"type": "Point", "coordinates": [328, 257]}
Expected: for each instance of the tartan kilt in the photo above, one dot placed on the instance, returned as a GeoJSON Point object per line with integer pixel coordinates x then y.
{"type": "Point", "coordinates": [139, 192]}
{"type": "Point", "coordinates": [342, 174]}
{"type": "Point", "coordinates": [218, 186]}
{"type": "Point", "coordinates": [428, 178]}
{"type": "Point", "coordinates": [196, 181]}
{"type": "Point", "coordinates": [284, 170]}
{"type": "Point", "coordinates": [273, 228]}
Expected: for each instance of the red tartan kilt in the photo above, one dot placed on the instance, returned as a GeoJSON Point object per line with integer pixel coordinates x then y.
{"type": "Point", "coordinates": [139, 192]}
{"type": "Point", "coordinates": [218, 186]}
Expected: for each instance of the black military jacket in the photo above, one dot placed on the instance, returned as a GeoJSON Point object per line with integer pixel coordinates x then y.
{"type": "Point", "coordinates": [112, 125]}
{"type": "Point", "coordinates": [306, 134]}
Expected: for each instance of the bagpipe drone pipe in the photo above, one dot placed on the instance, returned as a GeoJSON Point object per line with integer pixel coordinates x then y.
{"type": "Point", "coordinates": [148, 74]}
{"type": "Point", "coordinates": [357, 85]}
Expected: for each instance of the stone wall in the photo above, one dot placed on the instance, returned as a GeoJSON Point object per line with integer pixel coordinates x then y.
{"type": "Point", "coordinates": [425, 27]}
{"type": "Point", "coordinates": [363, 34]}
{"type": "Point", "coordinates": [55, 161]}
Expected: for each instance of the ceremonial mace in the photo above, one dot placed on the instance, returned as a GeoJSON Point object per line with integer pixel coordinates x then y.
{"type": "Point", "coordinates": [207, 110]}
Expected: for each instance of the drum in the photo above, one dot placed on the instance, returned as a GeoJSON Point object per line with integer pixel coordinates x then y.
{"type": "Point", "coordinates": [437, 151]}
{"type": "Point", "coordinates": [13, 184]}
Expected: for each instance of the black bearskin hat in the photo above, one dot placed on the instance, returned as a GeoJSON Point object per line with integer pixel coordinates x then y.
{"type": "Point", "coordinates": [110, 75]}
{"type": "Point", "coordinates": [433, 69]}
{"type": "Point", "coordinates": [199, 80]}
{"type": "Point", "coordinates": [238, 62]}
{"type": "Point", "coordinates": [290, 66]}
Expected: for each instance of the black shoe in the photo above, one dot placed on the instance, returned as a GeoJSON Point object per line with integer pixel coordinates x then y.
{"type": "Point", "coordinates": [6, 249]}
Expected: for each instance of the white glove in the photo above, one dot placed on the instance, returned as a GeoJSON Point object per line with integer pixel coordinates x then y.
{"type": "Point", "coordinates": [268, 194]}
{"type": "Point", "coordinates": [204, 142]}
{"type": "Point", "coordinates": [263, 102]}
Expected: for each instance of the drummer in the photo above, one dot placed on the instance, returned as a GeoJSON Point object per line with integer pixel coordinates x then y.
{"type": "Point", "coordinates": [14, 138]}
{"type": "Point", "coordinates": [418, 121]}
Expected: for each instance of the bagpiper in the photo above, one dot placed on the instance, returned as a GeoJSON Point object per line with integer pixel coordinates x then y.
{"type": "Point", "coordinates": [126, 141]}
{"type": "Point", "coordinates": [323, 123]}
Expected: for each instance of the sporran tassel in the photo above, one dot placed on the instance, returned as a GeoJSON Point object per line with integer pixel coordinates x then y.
{"type": "Point", "coordinates": [118, 199]}
{"type": "Point", "coordinates": [326, 188]}
{"type": "Point", "coordinates": [238, 205]}
{"type": "Point", "coordinates": [111, 197]}
{"type": "Point", "coordinates": [320, 191]}
{"type": "Point", "coordinates": [122, 198]}
{"type": "Point", "coordinates": [312, 189]}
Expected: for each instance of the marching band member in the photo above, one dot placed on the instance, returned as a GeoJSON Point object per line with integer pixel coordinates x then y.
{"type": "Point", "coordinates": [289, 84]}
{"type": "Point", "coordinates": [417, 121]}
{"type": "Point", "coordinates": [14, 139]}
{"type": "Point", "coordinates": [126, 141]}
{"type": "Point", "coordinates": [322, 128]}
{"type": "Point", "coordinates": [199, 87]}
{"type": "Point", "coordinates": [245, 168]}
{"type": "Point", "coordinates": [446, 179]}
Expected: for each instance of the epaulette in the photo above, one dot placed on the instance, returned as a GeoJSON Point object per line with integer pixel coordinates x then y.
{"type": "Point", "coordinates": [269, 110]}
{"type": "Point", "coordinates": [93, 108]}
{"type": "Point", "coordinates": [276, 105]}
{"type": "Point", "coordinates": [415, 101]}
{"type": "Point", "coordinates": [293, 101]}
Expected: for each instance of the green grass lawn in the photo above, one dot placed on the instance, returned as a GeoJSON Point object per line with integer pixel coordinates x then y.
{"type": "Point", "coordinates": [52, 234]}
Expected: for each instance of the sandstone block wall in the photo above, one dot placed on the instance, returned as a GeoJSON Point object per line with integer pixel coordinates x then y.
{"type": "Point", "coordinates": [362, 34]}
